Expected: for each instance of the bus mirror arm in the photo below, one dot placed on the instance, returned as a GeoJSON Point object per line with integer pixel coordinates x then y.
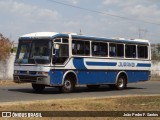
{"type": "Point", "coordinates": [35, 60]}
{"type": "Point", "coordinates": [55, 56]}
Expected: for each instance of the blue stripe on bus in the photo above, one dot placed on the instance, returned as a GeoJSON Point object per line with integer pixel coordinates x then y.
{"type": "Point", "coordinates": [143, 65]}
{"type": "Point", "coordinates": [101, 63]}
{"type": "Point", "coordinates": [79, 63]}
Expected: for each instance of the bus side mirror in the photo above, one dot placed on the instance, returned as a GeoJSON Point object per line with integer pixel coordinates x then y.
{"type": "Point", "coordinates": [11, 50]}
{"type": "Point", "coordinates": [56, 50]}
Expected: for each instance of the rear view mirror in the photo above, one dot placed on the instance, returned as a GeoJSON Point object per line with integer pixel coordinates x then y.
{"type": "Point", "coordinates": [12, 50]}
{"type": "Point", "coordinates": [56, 46]}
{"type": "Point", "coordinates": [56, 49]}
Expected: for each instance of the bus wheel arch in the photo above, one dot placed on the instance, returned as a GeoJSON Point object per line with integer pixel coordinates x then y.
{"type": "Point", "coordinates": [121, 80]}
{"type": "Point", "coordinates": [69, 81]}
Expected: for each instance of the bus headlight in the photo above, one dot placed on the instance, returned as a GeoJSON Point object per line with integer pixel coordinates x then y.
{"type": "Point", "coordinates": [43, 73]}
{"type": "Point", "coordinates": [15, 72]}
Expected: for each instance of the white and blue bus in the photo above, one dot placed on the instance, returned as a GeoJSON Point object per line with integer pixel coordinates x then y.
{"type": "Point", "coordinates": [67, 60]}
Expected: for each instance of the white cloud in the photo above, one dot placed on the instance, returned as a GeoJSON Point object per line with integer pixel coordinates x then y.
{"type": "Point", "coordinates": [108, 2]}
{"type": "Point", "coordinates": [145, 10]}
{"type": "Point", "coordinates": [21, 17]}
{"type": "Point", "coordinates": [75, 2]}
{"type": "Point", "coordinates": [28, 11]}
{"type": "Point", "coordinates": [71, 24]}
{"type": "Point", "coordinates": [148, 11]}
{"type": "Point", "coordinates": [125, 2]}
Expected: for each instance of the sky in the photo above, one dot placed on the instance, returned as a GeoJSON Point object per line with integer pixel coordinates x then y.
{"type": "Point", "coordinates": [19, 17]}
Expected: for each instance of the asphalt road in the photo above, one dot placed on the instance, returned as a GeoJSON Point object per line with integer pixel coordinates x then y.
{"type": "Point", "coordinates": [24, 92]}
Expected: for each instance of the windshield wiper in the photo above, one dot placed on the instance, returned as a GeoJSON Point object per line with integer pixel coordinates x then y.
{"type": "Point", "coordinates": [35, 61]}
{"type": "Point", "coordinates": [19, 62]}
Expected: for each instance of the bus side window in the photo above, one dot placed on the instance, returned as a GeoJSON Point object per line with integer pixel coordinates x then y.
{"type": "Point", "coordinates": [143, 52]}
{"type": "Point", "coordinates": [80, 47]}
{"type": "Point", "coordinates": [87, 48]}
{"type": "Point", "coordinates": [103, 49]}
{"type": "Point", "coordinates": [120, 50]}
{"type": "Point", "coordinates": [74, 49]}
{"type": "Point", "coordinates": [112, 50]}
{"type": "Point", "coordinates": [130, 51]}
{"type": "Point", "coordinates": [99, 49]}
{"type": "Point", "coordinates": [95, 48]}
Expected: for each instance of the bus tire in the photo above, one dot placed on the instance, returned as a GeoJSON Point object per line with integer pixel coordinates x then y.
{"type": "Point", "coordinates": [121, 83]}
{"type": "Point", "coordinates": [93, 86]}
{"type": "Point", "coordinates": [68, 85]}
{"type": "Point", "coordinates": [38, 87]}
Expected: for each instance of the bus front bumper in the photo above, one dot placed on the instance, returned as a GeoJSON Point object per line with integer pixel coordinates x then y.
{"type": "Point", "coordinates": [45, 80]}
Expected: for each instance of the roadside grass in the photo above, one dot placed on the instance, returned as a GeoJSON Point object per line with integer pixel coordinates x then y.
{"type": "Point", "coordinates": [155, 78]}
{"type": "Point", "coordinates": [126, 103]}
{"type": "Point", "coordinates": [8, 82]}
{"type": "Point", "coordinates": [119, 103]}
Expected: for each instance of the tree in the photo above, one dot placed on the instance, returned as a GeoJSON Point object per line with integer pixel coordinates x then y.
{"type": "Point", "coordinates": [158, 49]}
{"type": "Point", "coordinates": [5, 47]}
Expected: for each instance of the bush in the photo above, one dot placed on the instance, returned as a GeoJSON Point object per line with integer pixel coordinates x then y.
{"type": "Point", "coordinates": [5, 47]}
{"type": "Point", "coordinates": [156, 52]}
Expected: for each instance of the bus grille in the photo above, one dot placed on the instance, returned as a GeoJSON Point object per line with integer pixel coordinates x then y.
{"type": "Point", "coordinates": [28, 78]}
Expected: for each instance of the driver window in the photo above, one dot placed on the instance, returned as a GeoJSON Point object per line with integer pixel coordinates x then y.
{"type": "Point", "coordinates": [60, 52]}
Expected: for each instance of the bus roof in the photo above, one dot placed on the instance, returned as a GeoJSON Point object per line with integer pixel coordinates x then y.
{"type": "Point", "coordinates": [39, 34]}
{"type": "Point", "coordinates": [120, 40]}
{"type": "Point", "coordinates": [74, 36]}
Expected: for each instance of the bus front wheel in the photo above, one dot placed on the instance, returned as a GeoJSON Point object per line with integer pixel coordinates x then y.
{"type": "Point", "coordinates": [38, 87]}
{"type": "Point", "coordinates": [68, 86]}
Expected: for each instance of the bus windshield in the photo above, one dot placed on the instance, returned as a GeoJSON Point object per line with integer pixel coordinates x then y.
{"type": "Point", "coordinates": [34, 52]}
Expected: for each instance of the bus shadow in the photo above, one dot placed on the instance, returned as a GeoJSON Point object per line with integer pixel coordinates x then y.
{"type": "Point", "coordinates": [104, 89]}
{"type": "Point", "coordinates": [31, 91]}
{"type": "Point", "coordinates": [49, 90]}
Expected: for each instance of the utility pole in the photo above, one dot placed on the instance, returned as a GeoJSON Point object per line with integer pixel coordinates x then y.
{"type": "Point", "coordinates": [80, 32]}
{"type": "Point", "coordinates": [142, 33]}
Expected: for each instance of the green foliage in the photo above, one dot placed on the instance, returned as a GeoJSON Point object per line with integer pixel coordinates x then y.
{"type": "Point", "coordinates": [156, 52]}
{"type": "Point", "coordinates": [14, 49]}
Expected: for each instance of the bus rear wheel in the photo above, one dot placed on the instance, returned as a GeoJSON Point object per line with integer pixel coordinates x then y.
{"type": "Point", "coordinates": [121, 83]}
{"type": "Point", "coordinates": [38, 88]}
{"type": "Point", "coordinates": [68, 86]}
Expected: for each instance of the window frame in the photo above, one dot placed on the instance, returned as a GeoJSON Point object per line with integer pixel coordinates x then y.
{"type": "Point", "coordinates": [99, 42]}
{"type": "Point", "coordinates": [135, 51]}
{"type": "Point", "coordinates": [116, 43]}
{"type": "Point", "coordinates": [86, 55]}
{"type": "Point", "coordinates": [53, 50]}
{"type": "Point", "coordinates": [108, 45]}
{"type": "Point", "coordinates": [145, 58]}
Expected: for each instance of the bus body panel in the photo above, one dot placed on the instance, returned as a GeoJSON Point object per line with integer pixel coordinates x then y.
{"type": "Point", "coordinates": [99, 77]}
{"type": "Point", "coordinates": [101, 70]}
{"type": "Point", "coordinates": [56, 77]}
